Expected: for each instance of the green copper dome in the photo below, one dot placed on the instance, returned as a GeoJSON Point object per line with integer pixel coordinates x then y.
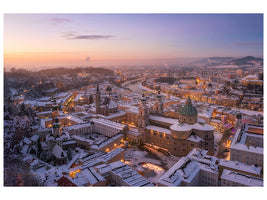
{"type": "Point", "coordinates": [188, 109]}
{"type": "Point", "coordinates": [56, 125]}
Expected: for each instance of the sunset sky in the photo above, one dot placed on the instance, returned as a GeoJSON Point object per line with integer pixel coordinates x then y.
{"type": "Point", "coordinates": [114, 39]}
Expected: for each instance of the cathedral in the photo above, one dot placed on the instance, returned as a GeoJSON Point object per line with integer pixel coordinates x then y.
{"type": "Point", "coordinates": [179, 136]}
{"type": "Point", "coordinates": [105, 105]}
{"type": "Point", "coordinates": [54, 140]}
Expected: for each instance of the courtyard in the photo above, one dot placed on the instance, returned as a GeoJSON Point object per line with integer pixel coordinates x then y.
{"type": "Point", "coordinates": [149, 161]}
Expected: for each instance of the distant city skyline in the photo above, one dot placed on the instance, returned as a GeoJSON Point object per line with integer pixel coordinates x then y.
{"type": "Point", "coordinates": [121, 39]}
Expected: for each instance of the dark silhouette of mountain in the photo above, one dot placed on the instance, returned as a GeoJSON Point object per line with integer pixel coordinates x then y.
{"type": "Point", "coordinates": [246, 60]}
{"type": "Point", "coordinates": [212, 61]}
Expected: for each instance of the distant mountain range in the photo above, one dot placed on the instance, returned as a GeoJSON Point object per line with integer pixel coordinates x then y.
{"type": "Point", "coordinates": [211, 61]}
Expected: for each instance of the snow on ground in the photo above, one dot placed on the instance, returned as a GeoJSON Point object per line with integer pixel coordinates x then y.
{"type": "Point", "coordinates": [158, 170]}
{"type": "Point", "coordinates": [154, 163]}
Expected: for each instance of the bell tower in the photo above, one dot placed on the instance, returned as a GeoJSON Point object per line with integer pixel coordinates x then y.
{"type": "Point", "coordinates": [238, 121]}
{"type": "Point", "coordinates": [97, 99]}
{"type": "Point", "coordinates": [54, 110]}
{"type": "Point", "coordinates": [142, 114]}
{"type": "Point", "coordinates": [159, 104]}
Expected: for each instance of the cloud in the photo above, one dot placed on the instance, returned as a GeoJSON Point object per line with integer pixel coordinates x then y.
{"type": "Point", "coordinates": [68, 34]}
{"type": "Point", "coordinates": [59, 20]}
{"type": "Point", "coordinates": [87, 37]}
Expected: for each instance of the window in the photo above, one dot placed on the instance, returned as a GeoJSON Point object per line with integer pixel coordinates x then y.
{"type": "Point", "coordinates": [206, 144]}
{"type": "Point", "coordinates": [192, 144]}
{"type": "Point", "coordinates": [206, 136]}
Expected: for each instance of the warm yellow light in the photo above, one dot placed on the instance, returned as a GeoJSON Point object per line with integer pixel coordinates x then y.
{"type": "Point", "coordinates": [228, 143]}
{"type": "Point", "coordinates": [73, 173]}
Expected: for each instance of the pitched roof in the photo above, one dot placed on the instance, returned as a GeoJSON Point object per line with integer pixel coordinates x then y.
{"type": "Point", "coordinates": [64, 181]}
{"type": "Point", "coordinates": [58, 152]}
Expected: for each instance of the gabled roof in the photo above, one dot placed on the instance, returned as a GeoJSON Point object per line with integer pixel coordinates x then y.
{"type": "Point", "coordinates": [64, 181]}
{"type": "Point", "coordinates": [58, 152]}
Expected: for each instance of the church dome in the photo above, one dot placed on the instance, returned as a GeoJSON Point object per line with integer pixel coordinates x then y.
{"type": "Point", "coordinates": [188, 109]}
{"type": "Point", "coordinates": [56, 125]}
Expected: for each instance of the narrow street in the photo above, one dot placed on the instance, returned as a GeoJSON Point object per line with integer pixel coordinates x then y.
{"type": "Point", "coordinates": [222, 144]}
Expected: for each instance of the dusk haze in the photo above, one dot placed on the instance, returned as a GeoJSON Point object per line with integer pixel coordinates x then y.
{"type": "Point", "coordinates": [39, 40]}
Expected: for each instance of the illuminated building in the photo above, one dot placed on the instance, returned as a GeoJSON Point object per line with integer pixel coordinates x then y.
{"type": "Point", "coordinates": [247, 146]}
{"type": "Point", "coordinates": [200, 169]}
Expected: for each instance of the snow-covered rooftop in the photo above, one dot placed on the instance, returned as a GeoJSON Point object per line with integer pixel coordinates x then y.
{"type": "Point", "coordinates": [58, 152]}
{"type": "Point", "coordinates": [189, 127]}
{"type": "Point", "coordinates": [109, 123]}
{"type": "Point", "coordinates": [163, 119]}
{"type": "Point", "coordinates": [241, 178]}
{"type": "Point", "coordinates": [240, 166]}
{"type": "Point", "coordinates": [194, 138]}
{"type": "Point", "coordinates": [106, 142]}
{"type": "Point", "coordinates": [128, 175]}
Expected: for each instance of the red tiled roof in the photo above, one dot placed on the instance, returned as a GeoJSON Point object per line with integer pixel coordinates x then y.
{"type": "Point", "coordinates": [64, 181]}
